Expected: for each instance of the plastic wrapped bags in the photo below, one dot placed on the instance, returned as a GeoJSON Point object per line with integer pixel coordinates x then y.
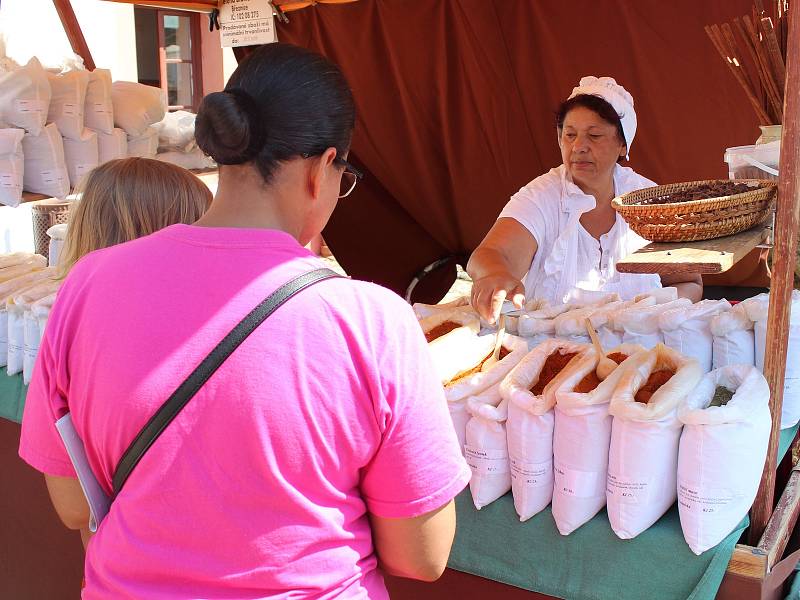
{"type": "Point", "coordinates": [145, 145]}
{"type": "Point", "coordinates": [20, 258]}
{"type": "Point", "coordinates": [45, 169]}
{"type": "Point", "coordinates": [67, 100]}
{"type": "Point", "coordinates": [733, 340]}
{"type": "Point", "coordinates": [609, 330]}
{"type": "Point", "coordinates": [640, 324]}
{"type": "Point", "coordinates": [12, 164]}
{"type": "Point", "coordinates": [722, 454]}
{"type": "Point", "coordinates": [643, 456]}
{"type": "Point", "coordinates": [35, 322]}
{"type": "Point", "coordinates": [10, 287]}
{"type": "Point", "coordinates": [25, 97]}
{"type": "Point", "coordinates": [687, 329]}
{"type": "Point", "coordinates": [81, 156]}
{"type": "Point", "coordinates": [757, 309]}
{"type": "Point", "coordinates": [531, 397]}
{"type": "Point", "coordinates": [540, 324]}
{"type": "Point", "coordinates": [16, 305]}
{"type": "Point", "coordinates": [485, 449]}
{"type": "Point", "coordinates": [111, 145]}
{"type": "Point", "coordinates": [176, 131]}
{"type": "Point", "coordinates": [98, 109]}
{"type": "Point", "coordinates": [136, 107]}
{"type": "Point", "coordinates": [581, 440]}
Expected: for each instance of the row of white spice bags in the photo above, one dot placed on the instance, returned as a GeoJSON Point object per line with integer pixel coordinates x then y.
{"type": "Point", "coordinates": [687, 329]}
{"type": "Point", "coordinates": [23, 328]}
{"type": "Point", "coordinates": [9, 288]}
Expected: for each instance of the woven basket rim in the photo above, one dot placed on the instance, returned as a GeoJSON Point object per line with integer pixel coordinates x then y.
{"type": "Point", "coordinates": [762, 185]}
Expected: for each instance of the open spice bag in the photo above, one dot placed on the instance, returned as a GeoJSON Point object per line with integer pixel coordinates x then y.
{"type": "Point", "coordinates": [529, 390]}
{"type": "Point", "coordinates": [439, 323]}
{"type": "Point", "coordinates": [643, 456]}
{"type": "Point", "coordinates": [687, 329]}
{"type": "Point", "coordinates": [733, 342]}
{"type": "Point", "coordinates": [483, 384]}
{"type": "Point", "coordinates": [640, 323]}
{"type": "Point", "coordinates": [485, 448]}
{"type": "Point", "coordinates": [582, 437]}
{"type": "Point", "coordinates": [723, 447]}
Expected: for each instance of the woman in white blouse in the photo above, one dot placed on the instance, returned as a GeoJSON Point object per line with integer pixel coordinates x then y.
{"type": "Point", "coordinates": [559, 233]}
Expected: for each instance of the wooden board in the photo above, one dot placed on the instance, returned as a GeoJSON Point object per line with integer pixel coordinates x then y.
{"type": "Point", "coordinates": [707, 256]}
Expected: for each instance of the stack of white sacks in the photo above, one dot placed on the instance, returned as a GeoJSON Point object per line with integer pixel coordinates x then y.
{"type": "Point", "coordinates": [27, 292]}
{"type": "Point", "coordinates": [581, 445]}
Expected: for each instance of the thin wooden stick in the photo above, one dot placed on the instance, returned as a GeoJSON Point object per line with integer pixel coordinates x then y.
{"type": "Point", "coordinates": [774, 53]}
{"type": "Point", "coordinates": [731, 47]}
{"type": "Point", "coordinates": [498, 343]}
{"type": "Point", "coordinates": [787, 221]}
{"type": "Point", "coordinates": [716, 38]}
{"type": "Point", "coordinates": [765, 73]}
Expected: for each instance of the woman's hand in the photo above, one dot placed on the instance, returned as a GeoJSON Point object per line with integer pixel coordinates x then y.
{"type": "Point", "coordinates": [489, 293]}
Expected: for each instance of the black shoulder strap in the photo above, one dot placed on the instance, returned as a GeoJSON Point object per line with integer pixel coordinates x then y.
{"type": "Point", "coordinates": [181, 396]}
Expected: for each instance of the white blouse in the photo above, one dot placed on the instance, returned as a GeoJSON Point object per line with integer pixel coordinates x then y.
{"type": "Point", "coordinates": [569, 258]}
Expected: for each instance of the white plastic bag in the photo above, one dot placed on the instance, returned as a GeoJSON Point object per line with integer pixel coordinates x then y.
{"type": "Point", "coordinates": [137, 106]}
{"type": "Point", "coordinates": [25, 97]}
{"type": "Point", "coordinates": [99, 111]}
{"type": "Point", "coordinates": [722, 454]}
{"type": "Point", "coordinates": [486, 452]}
{"type": "Point", "coordinates": [176, 131]}
{"type": "Point", "coordinates": [733, 339]}
{"type": "Point", "coordinates": [144, 146]}
{"type": "Point", "coordinates": [757, 310]}
{"type": "Point", "coordinates": [12, 164]}
{"type": "Point", "coordinates": [640, 324]}
{"type": "Point", "coordinates": [687, 329]}
{"type": "Point", "coordinates": [112, 145]}
{"type": "Point", "coordinates": [81, 156]}
{"type": "Point", "coordinates": [9, 288]}
{"type": "Point", "coordinates": [45, 169]}
{"type": "Point", "coordinates": [67, 100]}
{"type": "Point", "coordinates": [581, 440]}
{"type": "Point", "coordinates": [57, 233]}
{"type": "Point", "coordinates": [530, 426]}
{"type": "Point", "coordinates": [643, 456]}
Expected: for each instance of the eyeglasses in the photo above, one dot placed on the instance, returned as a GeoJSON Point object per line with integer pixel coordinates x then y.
{"type": "Point", "coordinates": [350, 177]}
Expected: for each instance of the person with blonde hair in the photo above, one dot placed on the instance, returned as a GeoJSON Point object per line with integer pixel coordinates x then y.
{"type": "Point", "coordinates": [128, 198]}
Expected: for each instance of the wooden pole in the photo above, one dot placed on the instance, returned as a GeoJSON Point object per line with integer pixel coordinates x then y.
{"type": "Point", "coordinates": [787, 220]}
{"type": "Point", "coordinates": [74, 33]}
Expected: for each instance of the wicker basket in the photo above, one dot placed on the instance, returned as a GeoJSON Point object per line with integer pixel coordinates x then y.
{"type": "Point", "coordinates": [45, 214]}
{"type": "Point", "coordinates": [696, 219]}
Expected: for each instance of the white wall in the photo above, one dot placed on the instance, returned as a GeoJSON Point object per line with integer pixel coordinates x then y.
{"type": "Point", "coordinates": [32, 28]}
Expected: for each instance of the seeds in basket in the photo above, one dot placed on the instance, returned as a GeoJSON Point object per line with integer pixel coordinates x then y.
{"type": "Point", "coordinates": [717, 189]}
{"type": "Point", "coordinates": [441, 330]}
{"type": "Point", "coordinates": [554, 364]}
{"type": "Point", "coordinates": [652, 385]}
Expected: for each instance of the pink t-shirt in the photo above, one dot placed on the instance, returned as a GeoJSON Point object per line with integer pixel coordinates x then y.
{"type": "Point", "coordinates": [262, 484]}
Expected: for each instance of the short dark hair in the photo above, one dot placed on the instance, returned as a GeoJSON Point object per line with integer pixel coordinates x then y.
{"type": "Point", "coordinates": [596, 104]}
{"type": "Point", "coordinates": [282, 101]}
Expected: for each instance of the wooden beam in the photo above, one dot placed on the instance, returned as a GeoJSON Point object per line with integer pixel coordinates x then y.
{"type": "Point", "coordinates": [749, 562]}
{"type": "Point", "coordinates": [787, 221]}
{"type": "Point", "coordinates": [74, 33]}
{"type": "Point", "coordinates": [781, 525]}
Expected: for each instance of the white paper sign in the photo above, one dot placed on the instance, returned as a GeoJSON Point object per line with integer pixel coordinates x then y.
{"type": "Point", "coordinates": [579, 484]}
{"type": "Point", "coordinates": [484, 461]}
{"type": "Point", "coordinates": [246, 23]}
{"type": "Point", "coordinates": [532, 474]}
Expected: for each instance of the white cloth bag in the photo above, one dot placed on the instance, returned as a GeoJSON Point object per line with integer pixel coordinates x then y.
{"type": "Point", "coordinates": [640, 324]}
{"type": "Point", "coordinates": [112, 145]}
{"type": "Point", "coordinates": [98, 109]}
{"type": "Point", "coordinates": [722, 454]}
{"type": "Point", "coordinates": [12, 165]}
{"type": "Point", "coordinates": [757, 310]}
{"type": "Point", "coordinates": [687, 329]}
{"type": "Point", "coordinates": [733, 338]}
{"type": "Point", "coordinates": [643, 456]}
{"type": "Point", "coordinates": [81, 156]}
{"type": "Point", "coordinates": [45, 169]}
{"type": "Point", "coordinates": [458, 352]}
{"type": "Point", "coordinates": [581, 440]}
{"type": "Point", "coordinates": [609, 330]}
{"type": "Point", "coordinates": [137, 106]}
{"type": "Point", "coordinates": [57, 233]}
{"type": "Point", "coordinates": [17, 305]}
{"type": "Point", "coordinates": [9, 288]}
{"type": "Point", "coordinates": [145, 145]}
{"type": "Point", "coordinates": [486, 451]}
{"type": "Point", "coordinates": [67, 102]}
{"type": "Point", "coordinates": [530, 427]}
{"type": "Point", "coordinates": [25, 97]}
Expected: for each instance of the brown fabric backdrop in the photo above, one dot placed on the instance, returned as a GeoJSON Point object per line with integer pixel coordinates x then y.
{"type": "Point", "coordinates": [456, 102]}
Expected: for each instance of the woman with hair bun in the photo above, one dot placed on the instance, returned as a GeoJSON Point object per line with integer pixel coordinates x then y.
{"type": "Point", "coordinates": [321, 451]}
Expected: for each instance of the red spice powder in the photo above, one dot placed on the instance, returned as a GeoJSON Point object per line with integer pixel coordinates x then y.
{"type": "Point", "coordinates": [617, 357]}
{"type": "Point", "coordinates": [554, 364]}
{"type": "Point", "coordinates": [477, 369]}
{"type": "Point", "coordinates": [588, 383]}
{"type": "Point", "coordinates": [441, 330]}
{"type": "Point", "coordinates": [653, 383]}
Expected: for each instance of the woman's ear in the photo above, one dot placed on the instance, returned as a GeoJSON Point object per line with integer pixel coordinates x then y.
{"type": "Point", "coordinates": [319, 171]}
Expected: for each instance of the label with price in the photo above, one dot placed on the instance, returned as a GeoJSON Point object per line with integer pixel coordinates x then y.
{"type": "Point", "coordinates": [531, 474]}
{"type": "Point", "coordinates": [707, 501]}
{"type": "Point", "coordinates": [246, 23]}
{"type": "Point", "coordinates": [484, 461]}
{"type": "Point", "coordinates": [632, 492]}
{"type": "Point", "coordinates": [579, 484]}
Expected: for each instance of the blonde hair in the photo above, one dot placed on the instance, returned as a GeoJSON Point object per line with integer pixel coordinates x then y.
{"type": "Point", "coordinates": [128, 198]}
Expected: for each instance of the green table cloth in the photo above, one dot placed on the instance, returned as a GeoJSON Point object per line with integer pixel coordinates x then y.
{"type": "Point", "coordinates": [12, 396]}
{"type": "Point", "coordinates": [592, 563]}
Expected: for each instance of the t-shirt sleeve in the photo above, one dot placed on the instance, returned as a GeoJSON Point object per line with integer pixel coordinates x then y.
{"type": "Point", "coordinates": [418, 466]}
{"type": "Point", "coordinates": [533, 210]}
{"type": "Point", "coordinates": [40, 443]}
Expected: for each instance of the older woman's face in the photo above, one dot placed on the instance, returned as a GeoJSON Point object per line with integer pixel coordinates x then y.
{"type": "Point", "coordinates": [590, 147]}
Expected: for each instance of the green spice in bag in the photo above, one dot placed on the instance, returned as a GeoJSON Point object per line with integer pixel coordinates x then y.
{"type": "Point", "coordinates": [721, 396]}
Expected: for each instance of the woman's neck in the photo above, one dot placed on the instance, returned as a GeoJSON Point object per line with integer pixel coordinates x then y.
{"type": "Point", "coordinates": [603, 191]}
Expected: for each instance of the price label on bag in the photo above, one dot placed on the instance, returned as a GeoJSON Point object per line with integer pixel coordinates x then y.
{"type": "Point", "coordinates": [246, 23]}
{"type": "Point", "coordinates": [705, 502]}
{"type": "Point", "coordinates": [485, 461]}
{"type": "Point", "coordinates": [532, 474]}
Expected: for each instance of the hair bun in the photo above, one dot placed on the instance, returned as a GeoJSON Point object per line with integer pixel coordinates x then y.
{"type": "Point", "coordinates": [227, 128]}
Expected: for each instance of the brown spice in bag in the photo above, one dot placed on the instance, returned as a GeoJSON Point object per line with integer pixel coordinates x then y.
{"type": "Point", "coordinates": [588, 383]}
{"type": "Point", "coordinates": [653, 383]}
{"type": "Point", "coordinates": [554, 364]}
{"type": "Point", "coordinates": [441, 329]}
{"type": "Point", "coordinates": [617, 357]}
{"type": "Point", "coordinates": [477, 369]}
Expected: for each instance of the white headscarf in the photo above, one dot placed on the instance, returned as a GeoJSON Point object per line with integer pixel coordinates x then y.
{"type": "Point", "coordinates": [617, 96]}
